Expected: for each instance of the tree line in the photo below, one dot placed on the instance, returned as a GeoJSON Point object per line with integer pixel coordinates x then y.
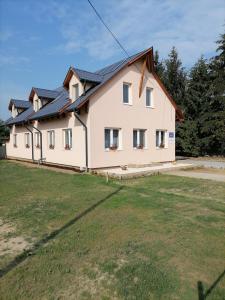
{"type": "Point", "coordinates": [200, 93]}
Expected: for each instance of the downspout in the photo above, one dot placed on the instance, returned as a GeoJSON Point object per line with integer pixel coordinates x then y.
{"type": "Point", "coordinates": [32, 141]}
{"type": "Point", "coordinates": [86, 138]}
{"type": "Point", "coordinates": [40, 140]}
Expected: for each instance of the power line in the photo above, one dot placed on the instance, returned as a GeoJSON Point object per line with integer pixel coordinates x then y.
{"type": "Point", "coordinates": [113, 35]}
{"type": "Point", "coordinates": [106, 26]}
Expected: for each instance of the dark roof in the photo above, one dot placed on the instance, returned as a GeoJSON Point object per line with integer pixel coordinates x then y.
{"type": "Point", "coordinates": [44, 93]}
{"type": "Point", "coordinates": [87, 76]}
{"type": "Point", "coordinates": [19, 103]}
{"type": "Point", "coordinates": [8, 120]}
{"type": "Point", "coordinates": [52, 108]}
{"type": "Point", "coordinates": [105, 73]}
{"type": "Point", "coordinates": [22, 117]}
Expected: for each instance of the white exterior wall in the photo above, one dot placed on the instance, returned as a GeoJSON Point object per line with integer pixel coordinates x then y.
{"type": "Point", "coordinates": [59, 155]}
{"type": "Point", "coordinates": [20, 151]}
{"type": "Point", "coordinates": [106, 109]}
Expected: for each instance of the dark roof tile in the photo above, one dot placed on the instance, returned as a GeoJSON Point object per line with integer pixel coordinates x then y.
{"type": "Point", "coordinates": [53, 107]}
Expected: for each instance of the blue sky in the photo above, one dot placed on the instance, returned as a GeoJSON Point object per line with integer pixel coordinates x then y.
{"type": "Point", "coordinates": [39, 40]}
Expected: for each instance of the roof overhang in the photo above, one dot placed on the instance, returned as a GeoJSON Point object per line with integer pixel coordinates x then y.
{"type": "Point", "coordinates": [31, 96]}
{"type": "Point", "coordinates": [69, 75]}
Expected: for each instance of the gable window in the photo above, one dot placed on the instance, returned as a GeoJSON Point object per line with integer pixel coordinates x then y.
{"type": "Point", "coordinates": [36, 105]}
{"type": "Point", "coordinates": [75, 92]}
{"type": "Point", "coordinates": [37, 139]}
{"type": "Point", "coordinates": [161, 141]}
{"type": "Point", "coordinates": [67, 139]}
{"type": "Point", "coordinates": [139, 140]}
{"type": "Point", "coordinates": [126, 93]}
{"type": "Point", "coordinates": [112, 138]}
{"type": "Point", "coordinates": [51, 139]}
{"type": "Point", "coordinates": [149, 98]}
{"type": "Point", "coordinates": [15, 140]}
{"type": "Point", "coordinates": [27, 140]}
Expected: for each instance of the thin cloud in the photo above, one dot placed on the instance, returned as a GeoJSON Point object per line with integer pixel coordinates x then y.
{"type": "Point", "coordinates": [192, 26]}
{"type": "Point", "coordinates": [12, 60]}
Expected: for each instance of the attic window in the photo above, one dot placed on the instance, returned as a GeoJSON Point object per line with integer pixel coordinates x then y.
{"type": "Point", "coordinates": [75, 92]}
{"type": "Point", "coordinates": [126, 93]}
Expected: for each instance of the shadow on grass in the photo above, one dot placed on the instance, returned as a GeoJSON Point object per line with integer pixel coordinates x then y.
{"type": "Point", "coordinates": [32, 251]}
{"type": "Point", "coordinates": [203, 295]}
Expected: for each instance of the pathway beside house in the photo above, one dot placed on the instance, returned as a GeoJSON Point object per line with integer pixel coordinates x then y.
{"type": "Point", "coordinates": [204, 173]}
{"type": "Point", "coordinates": [133, 172]}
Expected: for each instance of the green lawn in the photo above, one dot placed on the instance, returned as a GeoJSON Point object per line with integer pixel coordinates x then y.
{"type": "Point", "coordinates": [149, 238]}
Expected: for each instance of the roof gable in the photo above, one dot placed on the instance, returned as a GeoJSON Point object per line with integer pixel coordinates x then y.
{"type": "Point", "coordinates": [22, 117]}
{"type": "Point", "coordinates": [54, 107]}
{"type": "Point", "coordinates": [110, 71]}
{"type": "Point", "coordinates": [43, 93]}
{"type": "Point", "coordinates": [19, 104]}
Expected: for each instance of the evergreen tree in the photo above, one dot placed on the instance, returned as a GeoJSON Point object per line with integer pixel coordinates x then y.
{"type": "Point", "coordinates": [4, 132]}
{"type": "Point", "coordinates": [214, 119]}
{"type": "Point", "coordinates": [175, 77]}
{"type": "Point", "coordinates": [159, 66]}
{"type": "Point", "coordinates": [198, 98]}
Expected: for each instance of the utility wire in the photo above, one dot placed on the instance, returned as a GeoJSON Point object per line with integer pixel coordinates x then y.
{"type": "Point", "coordinates": [107, 27]}
{"type": "Point", "coordinates": [113, 35]}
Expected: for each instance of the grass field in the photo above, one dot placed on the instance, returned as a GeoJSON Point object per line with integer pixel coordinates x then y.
{"type": "Point", "coordinates": [149, 238]}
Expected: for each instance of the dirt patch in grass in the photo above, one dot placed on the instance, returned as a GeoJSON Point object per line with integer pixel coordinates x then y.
{"type": "Point", "coordinates": [10, 244]}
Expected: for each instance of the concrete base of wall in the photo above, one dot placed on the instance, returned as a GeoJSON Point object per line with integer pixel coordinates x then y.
{"type": "Point", "coordinates": [47, 164]}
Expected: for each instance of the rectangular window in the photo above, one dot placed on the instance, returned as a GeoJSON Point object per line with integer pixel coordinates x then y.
{"type": "Point", "coordinates": [126, 93]}
{"type": "Point", "coordinates": [67, 139]}
{"type": "Point", "coordinates": [27, 140]}
{"type": "Point", "coordinates": [36, 105]}
{"type": "Point", "coordinates": [15, 140]}
{"type": "Point", "coordinates": [149, 100]}
{"type": "Point", "coordinates": [139, 140]}
{"type": "Point", "coordinates": [37, 139]}
{"type": "Point", "coordinates": [75, 91]}
{"type": "Point", "coordinates": [51, 139]}
{"type": "Point", "coordinates": [112, 138]}
{"type": "Point", "coordinates": [161, 139]}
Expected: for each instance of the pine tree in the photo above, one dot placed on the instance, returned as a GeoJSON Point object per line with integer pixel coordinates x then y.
{"type": "Point", "coordinates": [159, 66]}
{"type": "Point", "coordinates": [214, 119]}
{"type": "Point", "coordinates": [175, 77]}
{"type": "Point", "coordinates": [198, 98]}
{"type": "Point", "coordinates": [4, 132]}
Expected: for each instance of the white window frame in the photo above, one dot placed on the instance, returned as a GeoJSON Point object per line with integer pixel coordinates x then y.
{"type": "Point", "coordinates": [15, 140]}
{"type": "Point", "coordinates": [36, 104]}
{"type": "Point", "coordinates": [129, 94]}
{"type": "Point", "coordinates": [138, 139]}
{"type": "Point", "coordinates": [75, 91]}
{"type": "Point", "coordinates": [160, 138]}
{"type": "Point", "coordinates": [151, 97]}
{"type": "Point", "coordinates": [51, 139]}
{"type": "Point", "coordinates": [119, 147]}
{"type": "Point", "coordinates": [37, 139]}
{"type": "Point", "coordinates": [27, 139]}
{"type": "Point", "coordinates": [70, 138]}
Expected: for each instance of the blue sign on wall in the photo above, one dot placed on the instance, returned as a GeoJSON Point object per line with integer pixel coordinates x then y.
{"type": "Point", "coordinates": [171, 135]}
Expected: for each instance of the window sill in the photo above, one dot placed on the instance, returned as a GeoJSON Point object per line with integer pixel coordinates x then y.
{"type": "Point", "coordinates": [152, 107]}
{"type": "Point", "coordinates": [145, 148]}
{"type": "Point", "coordinates": [159, 148]}
{"type": "Point", "coordinates": [129, 104]}
{"type": "Point", "coordinates": [111, 150]}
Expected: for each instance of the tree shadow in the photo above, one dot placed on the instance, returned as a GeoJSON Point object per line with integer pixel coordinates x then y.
{"type": "Point", "coordinates": [202, 295]}
{"type": "Point", "coordinates": [33, 250]}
